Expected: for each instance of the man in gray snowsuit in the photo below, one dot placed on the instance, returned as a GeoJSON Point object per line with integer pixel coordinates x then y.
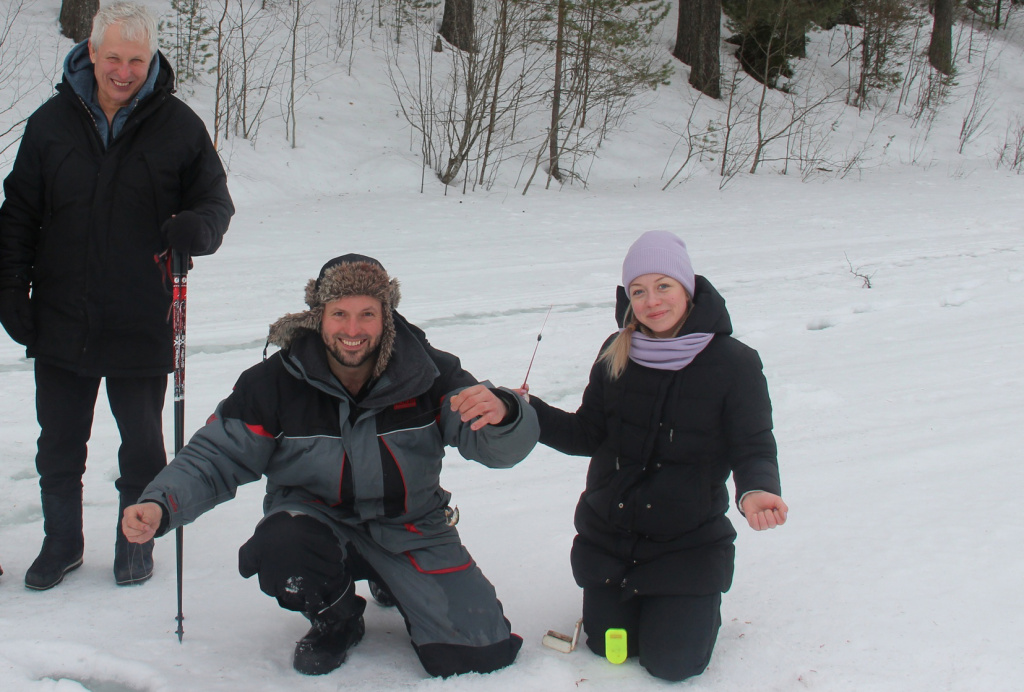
{"type": "Point", "coordinates": [348, 422]}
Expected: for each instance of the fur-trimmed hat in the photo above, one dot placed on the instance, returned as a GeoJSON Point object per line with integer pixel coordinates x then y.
{"type": "Point", "coordinates": [348, 275]}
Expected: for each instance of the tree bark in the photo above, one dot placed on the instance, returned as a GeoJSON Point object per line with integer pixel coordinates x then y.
{"type": "Point", "coordinates": [705, 72]}
{"type": "Point", "coordinates": [457, 23]}
{"type": "Point", "coordinates": [940, 50]}
{"type": "Point", "coordinates": [686, 31]}
{"type": "Point", "coordinates": [76, 18]}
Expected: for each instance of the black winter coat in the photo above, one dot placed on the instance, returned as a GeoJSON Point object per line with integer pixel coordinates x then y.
{"type": "Point", "coordinates": [81, 225]}
{"type": "Point", "coordinates": [662, 445]}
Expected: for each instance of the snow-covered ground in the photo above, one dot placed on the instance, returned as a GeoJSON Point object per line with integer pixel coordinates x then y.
{"type": "Point", "coordinates": [898, 413]}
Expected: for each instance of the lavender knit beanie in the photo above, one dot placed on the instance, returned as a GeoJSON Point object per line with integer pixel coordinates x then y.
{"type": "Point", "coordinates": [658, 252]}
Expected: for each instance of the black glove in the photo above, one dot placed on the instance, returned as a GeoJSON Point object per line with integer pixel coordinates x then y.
{"type": "Point", "coordinates": [16, 315]}
{"type": "Point", "coordinates": [186, 233]}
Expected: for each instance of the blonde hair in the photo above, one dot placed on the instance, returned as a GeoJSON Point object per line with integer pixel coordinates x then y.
{"type": "Point", "coordinates": [616, 355]}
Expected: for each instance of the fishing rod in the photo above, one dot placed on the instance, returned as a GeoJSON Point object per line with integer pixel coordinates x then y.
{"type": "Point", "coordinates": [539, 334]}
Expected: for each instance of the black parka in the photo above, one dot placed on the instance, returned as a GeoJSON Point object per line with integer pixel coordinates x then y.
{"type": "Point", "coordinates": [662, 444]}
{"type": "Point", "coordinates": [81, 224]}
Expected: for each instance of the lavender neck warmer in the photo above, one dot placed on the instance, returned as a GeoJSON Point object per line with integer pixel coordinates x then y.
{"type": "Point", "coordinates": [667, 354]}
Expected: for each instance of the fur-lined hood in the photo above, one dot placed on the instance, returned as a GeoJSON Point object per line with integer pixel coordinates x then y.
{"type": "Point", "coordinates": [348, 275]}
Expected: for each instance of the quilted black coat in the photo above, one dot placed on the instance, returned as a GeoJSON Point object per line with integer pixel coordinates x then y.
{"type": "Point", "coordinates": [81, 224]}
{"type": "Point", "coordinates": [652, 518]}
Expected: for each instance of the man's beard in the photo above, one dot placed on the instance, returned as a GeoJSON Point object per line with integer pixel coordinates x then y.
{"type": "Point", "coordinates": [353, 360]}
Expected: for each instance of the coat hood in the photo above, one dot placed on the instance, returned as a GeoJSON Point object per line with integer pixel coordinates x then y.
{"type": "Point", "coordinates": [80, 79]}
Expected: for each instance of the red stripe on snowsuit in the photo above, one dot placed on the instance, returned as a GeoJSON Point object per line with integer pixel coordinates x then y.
{"type": "Point", "coordinates": [446, 570]}
{"type": "Point", "coordinates": [258, 430]}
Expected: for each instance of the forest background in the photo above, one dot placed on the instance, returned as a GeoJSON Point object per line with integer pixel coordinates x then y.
{"type": "Point", "coordinates": [522, 93]}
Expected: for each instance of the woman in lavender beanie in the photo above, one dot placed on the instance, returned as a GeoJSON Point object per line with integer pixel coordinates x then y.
{"type": "Point", "coordinates": [674, 406]}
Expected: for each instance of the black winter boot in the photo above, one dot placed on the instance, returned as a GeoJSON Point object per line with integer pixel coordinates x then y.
{"type": "Point", "coordinates": [133, 562]}
{"type": "Point", "coordinates": [63, 545]}
{"type": "Point", "coordinates": [381, 595]}
{"type": "Point", "coordinates": [334, 632]}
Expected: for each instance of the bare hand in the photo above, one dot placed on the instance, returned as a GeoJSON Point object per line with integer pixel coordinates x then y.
{"type": "Point", "coordinates": [481, 403]}
{"type": "Point", "coordinates": [524, 392]}
{"type": "Point", "coordinates": [764, 510]}
{"type": "Point", "coordinates": [140, 522]}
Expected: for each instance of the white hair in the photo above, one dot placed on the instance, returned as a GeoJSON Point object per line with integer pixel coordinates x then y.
{"type": "Point", "coordinates": [136, 21]}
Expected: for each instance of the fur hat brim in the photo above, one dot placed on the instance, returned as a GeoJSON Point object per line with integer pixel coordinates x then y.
{"type": "Point", "coordinates": [342, 278]}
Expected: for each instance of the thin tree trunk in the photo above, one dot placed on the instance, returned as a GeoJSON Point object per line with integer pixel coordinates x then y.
{"type": "Point", "coordinates": [294, 69]}
{"type": "Point", "coordinates": [501, 52]}
{"type": "Point", "coordinates": [556, 98]}
{"type": "Point", "coordinates": [220, 107]}
{"type": "Point", "coordinates": [759, 148]}
{"type": "Point", "coordinates": [865, 60]}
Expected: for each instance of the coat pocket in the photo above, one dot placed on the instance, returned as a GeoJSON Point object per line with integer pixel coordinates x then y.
{"type": "Point", "coordinates": [440, 559]}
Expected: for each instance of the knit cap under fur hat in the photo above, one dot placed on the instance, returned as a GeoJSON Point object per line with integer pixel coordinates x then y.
{"type": "Point", "coordinates": [347, 275]}
{"type": "Point", "coordinates": [659, 252]}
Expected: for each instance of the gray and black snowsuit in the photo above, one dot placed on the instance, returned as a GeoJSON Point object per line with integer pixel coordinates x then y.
{"type": "Point", "coordinates": [370, 470]}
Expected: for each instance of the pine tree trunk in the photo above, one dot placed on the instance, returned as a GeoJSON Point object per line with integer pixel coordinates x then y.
{"type": "Point", "coordinates": [76, 18]}
{"type": "Point", "coordinates": [686, 29]}
{"type": "Point", "coordinates": [457, 23]}
{"type": "Point", "coordinates": [705, 74]}
{"type": "Point", "coordinates": [940, 50]}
